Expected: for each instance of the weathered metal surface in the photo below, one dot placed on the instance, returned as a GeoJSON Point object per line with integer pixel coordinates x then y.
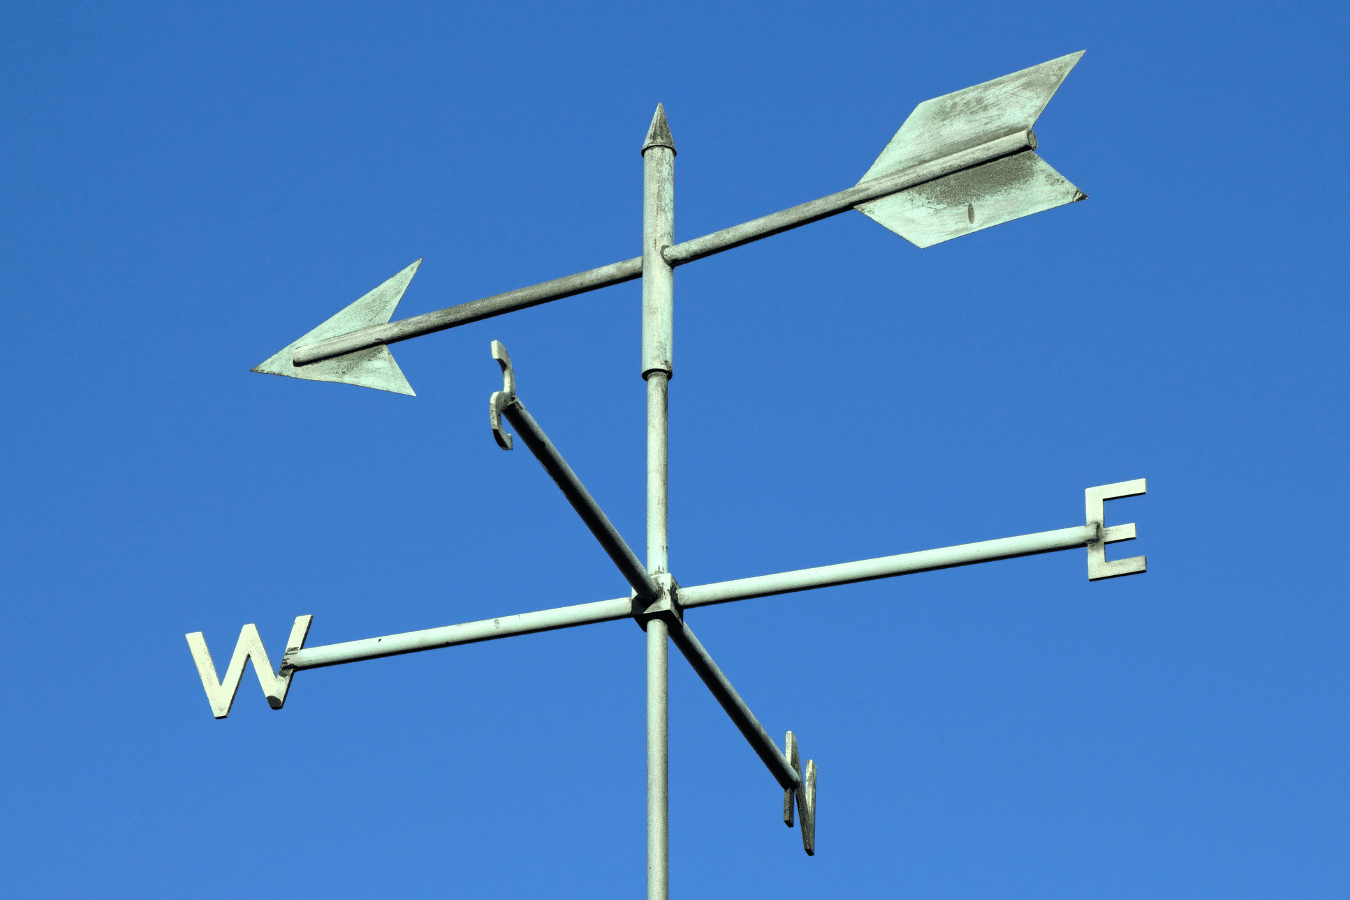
{"type": "Point", "coordinates": [1079, 536]}
{"type": "Point", "coordinates": [557, 468]}
{"type": "Point", "coordinates": [784, 765]}
{"type": "Point", "coordinates": [658, 330]}
{"type": "Point", "coordinates": [804, 794]}
{"type": "Point", "coordinates": [845, 200]}
{"type": "Point", "coordinates": [1098, 565]}
{"type": "Point", "coordinates": [989, 194]}
{"type": "Point", "coordinates": [943, 136]}
{"type": "Point", "coordinates": [658, 133]}
{"type": "Point", "coordinates": [658, 761]}
{"type": "Point", "coordinates": [887, 566]}
{"type": "Point", "coordinates": [497, 402]}
{"type": "Point", "coordinates": [972, 116]}
{"type": "Point", "coordinates": [676, 255]}
{"type": "Point", "coordinates": [666, 606]}
{"type": "Point", "coordinates": [658, 468]}
{"type": "Point", "coordinates": [973, 199]}
{"type": "Point", "coordinates": [463, 314]}
{"type": "Point", "coordinates": [372, 367]}
{"type": "Point", "coordinates": [275, 686]}
{"type": "Point", "coordinates": [454, 635]}
{"type": "Point", "coordinates": [727, 697]}
{"type": "Point", "coordinates": [590, 512]}
{"type": "Point", "coordinates": [658, 233]}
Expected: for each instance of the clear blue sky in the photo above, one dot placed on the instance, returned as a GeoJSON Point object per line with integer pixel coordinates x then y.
{"type": "Point", "coordinates": [186, 189]}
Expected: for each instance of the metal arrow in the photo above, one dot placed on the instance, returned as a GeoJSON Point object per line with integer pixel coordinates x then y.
{"type": "Point", "coordinates": [371, 366]}
{"type": "Point", "coordinates": [960, 163]}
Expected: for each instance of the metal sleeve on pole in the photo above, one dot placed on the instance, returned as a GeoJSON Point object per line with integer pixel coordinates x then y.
{"type": "Point", "coordinates": [658, 233]}
{"type": "Point", "coordinates": [658, 472]}
{"type": "Point", "coordinates": [658, 761]}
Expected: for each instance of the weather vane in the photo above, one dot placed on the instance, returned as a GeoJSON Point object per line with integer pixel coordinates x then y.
{"type": "Point", "coordinates": [960, 163]}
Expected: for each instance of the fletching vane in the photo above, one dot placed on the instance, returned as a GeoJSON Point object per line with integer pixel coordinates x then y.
{"type": "Point", "coordinates": [986, 195]}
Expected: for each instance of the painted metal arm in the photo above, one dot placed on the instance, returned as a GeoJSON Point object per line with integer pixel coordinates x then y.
{"type": "Point", "coordinates": [683, 638]}
{"type": "Point", "coordinates": [785, 767]}
{"type": "Point", "coordinates": [506, 403]}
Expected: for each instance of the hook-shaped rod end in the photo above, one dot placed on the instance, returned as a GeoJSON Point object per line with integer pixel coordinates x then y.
{"type": "Point", "coordinates": [503, 398]}
{"type": "Point", "coordinates": [508, 374]}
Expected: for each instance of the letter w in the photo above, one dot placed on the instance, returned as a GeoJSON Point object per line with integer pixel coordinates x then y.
{"type": "Point", "coordinates": [250, 646]}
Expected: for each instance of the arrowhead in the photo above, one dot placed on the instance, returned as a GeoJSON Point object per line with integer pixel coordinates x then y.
{"type": "Point", "coordinates": [658, 135]}
{"type": "Point", "coordinates": [973, 200]}
{"type": "Point", "coordinates": [373, 367]}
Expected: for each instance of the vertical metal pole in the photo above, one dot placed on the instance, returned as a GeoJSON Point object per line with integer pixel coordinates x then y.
{"type": "Point", "coordinates": [658, 285]}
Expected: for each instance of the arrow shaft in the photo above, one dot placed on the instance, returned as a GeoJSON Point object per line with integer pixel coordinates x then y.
{"type": "Point", "coordinates": [486, 308]}
{"type": "Point", "coordinates": [679, 254]}
{"type": "Point", "coordinates": [700, 595]}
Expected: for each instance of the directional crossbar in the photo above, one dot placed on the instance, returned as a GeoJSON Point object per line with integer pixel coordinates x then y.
{"type": "Point", "coordinates": [1078, 536]}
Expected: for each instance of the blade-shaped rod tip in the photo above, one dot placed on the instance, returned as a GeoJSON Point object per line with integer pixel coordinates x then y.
{"type": "Point", "coordinates": [658, 135]}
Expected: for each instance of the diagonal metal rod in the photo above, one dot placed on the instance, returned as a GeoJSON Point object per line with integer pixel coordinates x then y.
{"type": "Point", "coordinates": [582, 501]}
{"type": "Point", "coordinates": [683, 638]}
{"type": "Point", "coordinates": [699, 595]}
{"type": "Point", "coordinates": [688, 251]}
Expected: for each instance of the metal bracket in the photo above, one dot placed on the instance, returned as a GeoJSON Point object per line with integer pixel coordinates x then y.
{"type": "Point", "coordinates": [804, 794]}
{"type": "Point", "coordinates": [1098, 565]}
{"type": "Point", "coordinates": [666, 605]}
{"type": "Point", "coordinates": [503, 398]}
{"type": "Point", "coordinates": [221, 693]}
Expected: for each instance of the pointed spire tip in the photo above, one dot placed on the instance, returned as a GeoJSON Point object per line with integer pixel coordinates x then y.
{"type": "Point", "coordinates": [658, 135]}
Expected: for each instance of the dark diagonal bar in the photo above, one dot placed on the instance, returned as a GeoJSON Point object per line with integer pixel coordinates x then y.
{"type": "Point", "coordinates": [683, 638]}
{"type": "Point", "coordinates": [582, 501]}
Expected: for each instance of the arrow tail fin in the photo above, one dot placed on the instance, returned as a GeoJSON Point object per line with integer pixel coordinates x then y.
{"type": "Point", "coordinates": [976, 115]}
{"type": "Point", "coordinates": [373, 367]}
{"type": "Point", "coordinates": [974, 199]}
{"type": "Point", "coordinates": [988, 194]}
